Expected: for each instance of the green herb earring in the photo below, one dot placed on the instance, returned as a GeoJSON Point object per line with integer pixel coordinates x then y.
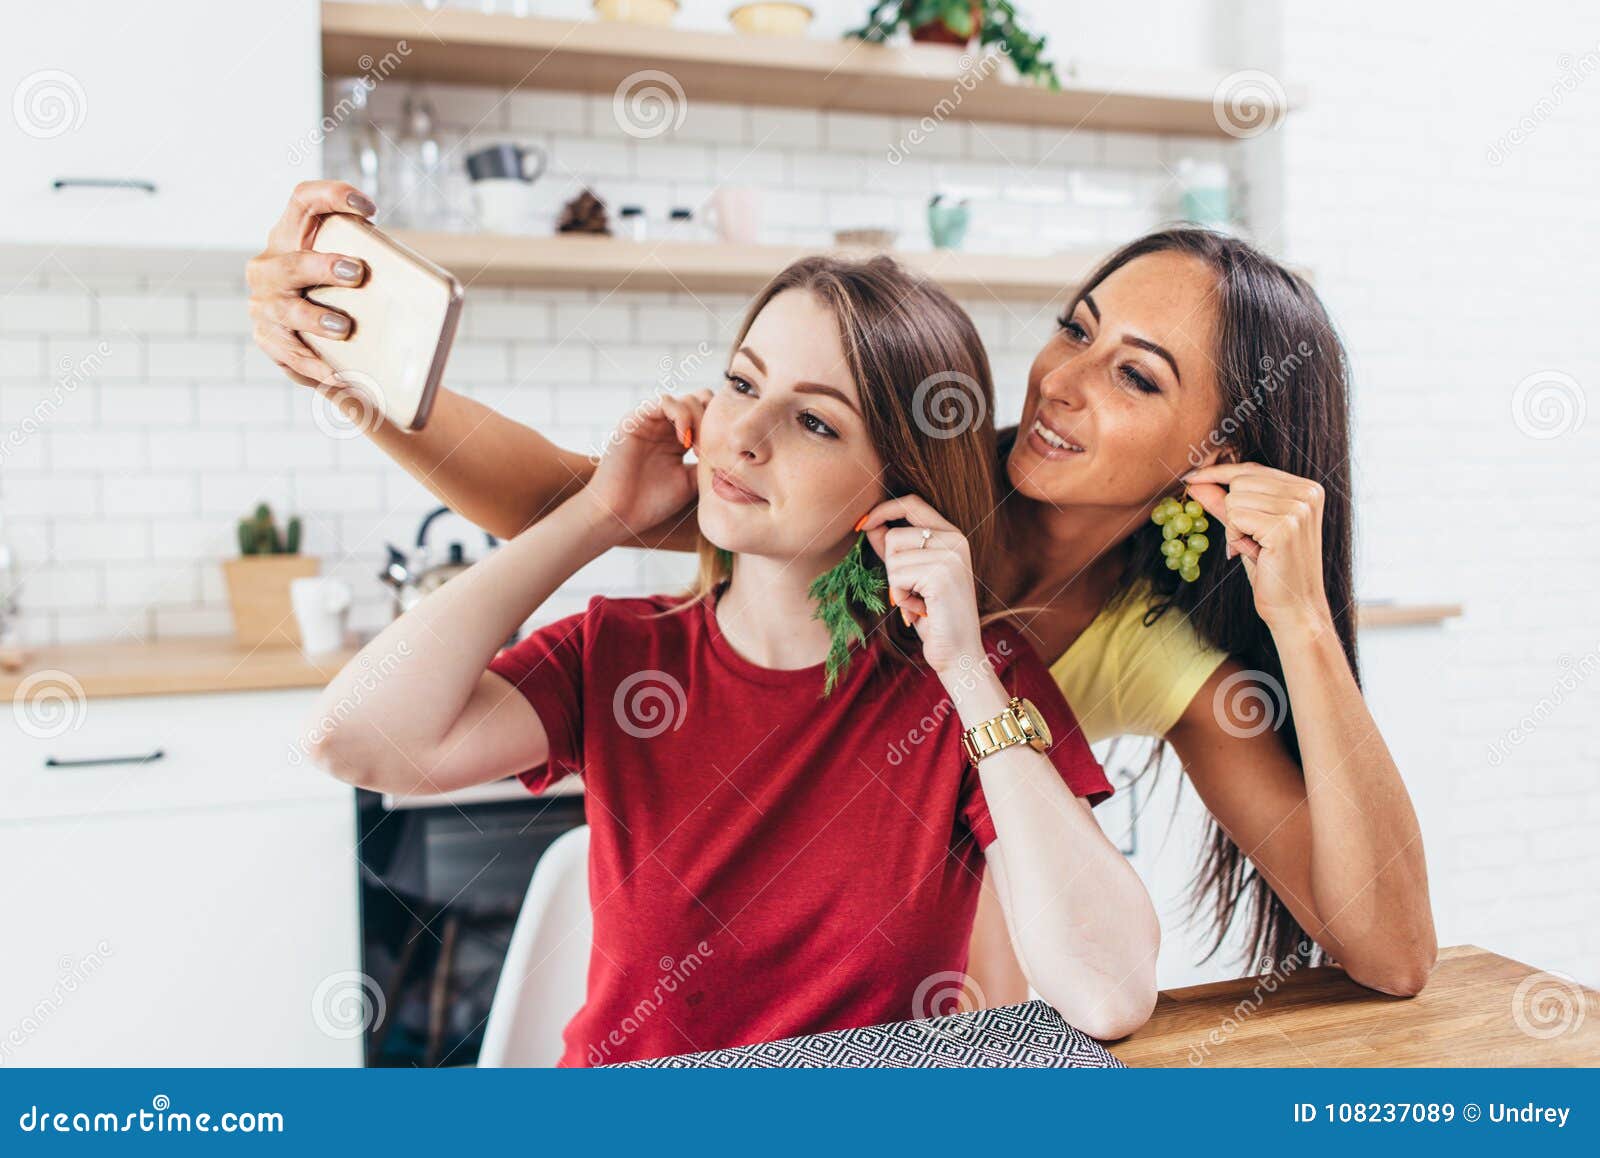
{"type": "Point", "coordinates": [1183, 541]}
{"type": "Point", "coordinates": [852, 582]}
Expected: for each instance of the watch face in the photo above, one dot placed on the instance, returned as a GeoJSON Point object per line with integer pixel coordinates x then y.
{"type": "Point", "coordinates": [1040, 728]}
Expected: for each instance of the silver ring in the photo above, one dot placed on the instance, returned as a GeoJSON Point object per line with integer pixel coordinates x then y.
{"type": "Point", "coordinates": [926, 535]}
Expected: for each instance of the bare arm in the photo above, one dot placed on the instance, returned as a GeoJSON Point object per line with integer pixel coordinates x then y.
{"type": "Point", "coordinates": [416, 711]}
{"type": "Point", "coordinates": [1338, 842]}
{"type": "Point", "coordinates": [1337, 837]}
{"type": "Point", "coordinates": [497, 472]}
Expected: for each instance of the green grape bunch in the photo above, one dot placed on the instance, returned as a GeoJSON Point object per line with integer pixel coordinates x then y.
{"type": "Point", "coordinates": [1183, 535]}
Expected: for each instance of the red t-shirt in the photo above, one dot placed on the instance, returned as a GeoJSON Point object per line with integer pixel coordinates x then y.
{"type": "Point", "coordinates": [764, 862]}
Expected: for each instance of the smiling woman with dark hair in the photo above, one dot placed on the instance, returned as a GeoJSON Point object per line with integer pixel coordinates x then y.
{"type": "Point", "coordinates": [1190, 361]}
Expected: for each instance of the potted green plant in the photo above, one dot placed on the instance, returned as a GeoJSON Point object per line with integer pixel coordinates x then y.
{"type": "Point", "coordinates": [958, 22]}
{"type": "Point", "coordinates": [258, 580]}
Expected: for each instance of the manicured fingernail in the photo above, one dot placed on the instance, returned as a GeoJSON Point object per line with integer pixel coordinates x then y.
{"type": "Point", "coordinates": [362, 205]}
{"type": "Point", "coordinates": [862, 521]}
{"type": "Point", "coordinates": [334, 323]}
{"type": "Point", "coordinates": [686, 438]}
{"type": "Point", "coordinates": [892, 600]}
{"type": "Point", "coordinates": [346, 270]}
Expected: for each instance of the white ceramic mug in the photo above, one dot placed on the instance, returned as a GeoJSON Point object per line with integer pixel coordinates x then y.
{"type": "Point", "coordinates": [736, 213]}
{"type": "Point", "coordinates": [321, 606]}
{"type": "Point", "coordinates": [504, 205]}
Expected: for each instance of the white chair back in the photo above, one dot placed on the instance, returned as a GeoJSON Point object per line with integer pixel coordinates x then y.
{"type": "Point", "coordinates": [545, 976]}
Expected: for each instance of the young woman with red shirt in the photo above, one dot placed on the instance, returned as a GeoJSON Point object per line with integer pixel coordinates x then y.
{"type": "Point", "coordinates": [818, 857]}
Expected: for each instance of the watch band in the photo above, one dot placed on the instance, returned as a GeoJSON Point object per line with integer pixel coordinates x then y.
{"type": "Point", "coordinates": [994, 735]}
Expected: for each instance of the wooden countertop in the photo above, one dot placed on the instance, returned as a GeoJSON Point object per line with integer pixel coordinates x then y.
{"type": "Point", "coordinates": [217, 664]}
{"type": "Point", "coordinates": [176, 667]}
{"type": "Point", "coordinates": [1478, 1009]}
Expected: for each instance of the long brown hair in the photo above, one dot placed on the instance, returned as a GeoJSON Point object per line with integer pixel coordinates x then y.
{"type": "Point", "coordinates": [1284, 382]}
{"type": "Point", "coordinates": [927, 400]}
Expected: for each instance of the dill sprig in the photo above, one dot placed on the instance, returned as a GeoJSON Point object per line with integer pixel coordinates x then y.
{"type": "Point", "coordinates": [852, 583]}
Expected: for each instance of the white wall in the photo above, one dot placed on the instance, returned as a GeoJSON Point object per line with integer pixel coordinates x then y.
{"type": "Point", "coordinates": [1456, 278]}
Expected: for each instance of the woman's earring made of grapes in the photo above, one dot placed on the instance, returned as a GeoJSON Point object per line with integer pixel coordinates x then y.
{"type": "Point", "coordinates": [1183, 535]}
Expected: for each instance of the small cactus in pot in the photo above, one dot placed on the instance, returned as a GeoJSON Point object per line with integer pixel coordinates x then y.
{"type": "Point", "coordinates": [258, 581]}
{"type": "Point", "coordinates": [258, 534]}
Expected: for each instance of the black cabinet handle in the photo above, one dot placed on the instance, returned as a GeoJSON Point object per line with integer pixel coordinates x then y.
{"type": "Point", "coordinates": [52, 762]}
{"type": "Point", "coordinates": [61, 183]}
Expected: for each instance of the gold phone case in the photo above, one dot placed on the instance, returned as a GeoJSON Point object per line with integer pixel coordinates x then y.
{"type": "Point", "coordinates": [403, 317]}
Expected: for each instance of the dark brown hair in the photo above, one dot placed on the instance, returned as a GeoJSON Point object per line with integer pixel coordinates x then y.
{"type": "Point", "coordinates": [927, 400]}
{"type": "Point", "coordinates": [1284, 382]}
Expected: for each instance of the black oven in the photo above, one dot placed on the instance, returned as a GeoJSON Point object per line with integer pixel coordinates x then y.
{"type": "Point", "coordinates": [442, 882]}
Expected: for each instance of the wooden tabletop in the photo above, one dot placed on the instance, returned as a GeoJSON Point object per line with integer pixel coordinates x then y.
{"type": "Point", "coordinates": [172, 667]}
{"type": "Point", "coordinates": [1478, 1009]}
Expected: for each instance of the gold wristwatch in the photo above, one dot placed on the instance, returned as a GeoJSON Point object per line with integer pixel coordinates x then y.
{"type": "Point", "coordinates": [1020, 723]}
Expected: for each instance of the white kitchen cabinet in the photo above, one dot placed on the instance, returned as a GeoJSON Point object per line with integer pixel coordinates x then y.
{"type": "Point", "coordinates": [156, 123]}
{"type": "Point", "coordinates": [197, 909]}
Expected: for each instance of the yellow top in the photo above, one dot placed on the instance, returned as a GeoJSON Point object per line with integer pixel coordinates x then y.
{"type": "Point", "coordinates": [1122, 678]}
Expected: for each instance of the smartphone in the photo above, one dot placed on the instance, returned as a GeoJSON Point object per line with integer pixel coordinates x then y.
{"type": "Point", "coordinates": [403, 320]}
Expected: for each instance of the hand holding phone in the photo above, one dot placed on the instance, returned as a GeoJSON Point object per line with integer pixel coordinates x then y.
{"type": "Point", "coordinates": [403, 316]}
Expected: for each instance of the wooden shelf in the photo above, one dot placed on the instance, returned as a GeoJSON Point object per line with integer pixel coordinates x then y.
{"type": "Point", "coordinates": [580, 261]}
{"type": "Point", "coordinates": [1405, 614]}
{"type": "Point", "coordinates": [461, 47]}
